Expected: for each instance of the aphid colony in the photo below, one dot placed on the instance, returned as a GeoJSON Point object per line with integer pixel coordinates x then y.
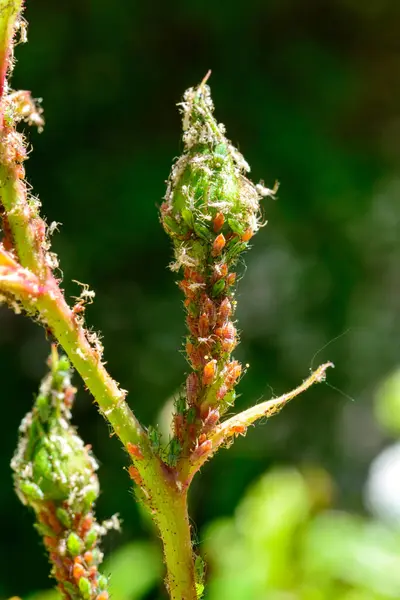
{"type": "Point", "coordinates": [54, 473]}
{"type": "Point", "coordinates": [211, 211]}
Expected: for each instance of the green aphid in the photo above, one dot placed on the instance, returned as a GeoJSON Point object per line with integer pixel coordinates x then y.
{"type": "Point", "coordinates": [30, 491]}
{"type": "Point", "coordinates": [191, 415]}
{"type": "Point", "coordinates": [89, 495]}
{"type": "Point", "coordinates": [44, 530]}
{"type": "Point", "coordinates": [85, 587]}
{"type": "Point", "coordinates": [174, 450]}
{"type": "Point", "coordinates": [202, 231]}
{"type": "Point", "coordinates": [235, 250]}
{"type": "Point", "coordinates": [91, 538]}
{"type": "Point", "coordinates": [188, 217]}
{"type": "Point", "coordinates": [236, 226]}
{"type": "Point", "coordinates": [74, 544]}
{"type": "Point", "coordinates": [102, 582]}
{"type": "Point", "coordinates": [218, 288]}
{"type": "Point", "coordinates": [43, 407]}
{"type": "Point", "coordinates": [200, 567]}
{"type": "Point", "coordinates": [193, 309]}
{"type": "Point", "coordinates": [70, 588]}
{"type": "Point", "coordinates": [172, 225]}
{"type": "Point", "coordinates": [155, 439]}
{"type": "Point", "coordinates": [180, 404]}
{"type": "Point", "coordinates": [64, 517]}
{"type": "Point", "coordinates": [221, 149]}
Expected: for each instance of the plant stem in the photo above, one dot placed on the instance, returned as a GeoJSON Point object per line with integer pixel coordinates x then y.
{"type": "Point", "coordinates": [171, 516]}
{"type": "Point", "coordinates": [9, 10]}
{"type": "Point", "coordinates": [66, 329]}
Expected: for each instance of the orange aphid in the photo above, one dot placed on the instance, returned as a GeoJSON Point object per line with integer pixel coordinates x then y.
{"type": "Point", "coordinates": [78, 571]}
{"type": "Point", "coordinates": [218, 222]}
{"type": "Point", "coordinates": [193, 275]}
{"type": "Point", "coordinates": [86, 524]}
{"type": "Point", "coordinates": [209, 372]}
{"type": "Point", "coordinates": [88, 557]}
{"type": "Point", "coordinates": [78, 560]}
{"type": "Point", "coordinates": [204, 325]}
{"type": "Point", "coordinates": [178, 426]}
{"type": "Point", "coordinates": [218, 244]}
{"type": "Point", "coordinates": [225, 310]}
{"type": "Point", "coordinates": [102, 596]}
{"type": "Point", "coordinates": [248, 234]}
{"type": "Point", "coordinates": [220, 271]}
{"type": "Point", "coordinates": [50, 542]}
{"type": "Point", "coordinates": [227, 333]}
{"type": "Point", "coordinates": [134, 451]}
{"type": "Point", "coordinates": [234, 370]}
{"type": "Point", "coordinates": [194, 355]}
{"type": "Point", "coordinates": [54, 523]}
{"type": "Point", "coordinates": [230, 280]}
{"type": "Point", "coordinates": [192, 388]}
{"type": "Point", "coordinates": [193, 325]}
{"type": "Point", "coordinates": [202, 438]}
{"type": "Point", "coordinates": [204, 448]}
{"type": "Point", "coordinates": [135, 475]}
{"type": "Point", "coordinates": [209, 308]}
{"type": "Point", "coordinates": [210, 420]}
{"type": "Point", "coordinates": [238, 429]}
{"type": "Point", "coordinates": [92, 572]}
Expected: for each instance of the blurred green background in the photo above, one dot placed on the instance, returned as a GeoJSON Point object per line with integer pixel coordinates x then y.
{"type": "Point", "coordinates": [310, 93]}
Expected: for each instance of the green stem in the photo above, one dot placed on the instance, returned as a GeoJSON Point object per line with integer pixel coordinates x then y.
{"type": "Point", "coordinates": [9, 10]}
{"type": "Point", "coordinates": [23, 220]}
{"type": "Point", "coordinates": [171, 516]}
{"type": "Point", "coordinates": [111, 400]}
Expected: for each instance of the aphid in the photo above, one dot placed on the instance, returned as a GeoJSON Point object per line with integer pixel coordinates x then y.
{"type": "Point", "coordinates": [218, 244]}
{"type": "Point", "coordinates": [193, 275]}
{"type": "Point", "coordinates": [135, 475]}
{"type": "Point", "coordinates": [209, 372]}
{"type": "Point", "coordinates": [227, 333]}
{"type": "Point", "coordinates": [248, 234]}
{"type": "Point", "coordinates": [78, 571]}
{"type": "Point", "coordinates": [178, 426]}
{"type": "Point", "coordinates": [50, 542]}
{"type": "Point", "coordinates": [174, 452]}
{"type": "Point", "coordinates": [218, 287]}
{"type": "Point", "coordinates": [234, 370]}
{"type": "Point", "coordinates": [225, 310]}
{"type": "Point", "coordinates": [19, 171]}
{"type": "Point", "coordinates": [210, 420]}
{"type": "Point", "coordinates": [202, 438]}
{"type": "Point", "coordinates": [238, 430]}
{"type": "Point", "coordinates": [204, 325]}
{"type": "Point", "coordinates": [194, 356]}
{"type": "Point", "coordinates": [201, 450]}
{"type": "Point", "coordinates": [218, 222]}
{"type": "Point", "coordinates": [192, 324]}
{"type": "Point", "coordinates": [54, 523]}
{"type": "Point", "coordinates": [92, 572]}
{"type": "Point", "coordinates": [223, 390]}
{"type": "Point", "coordinates": [86, 524]}
{"type": "Point", "coordinates": [192, 388]}
{"type": "Point", "coordinates": [134, 451]}
{"type": "Point", "coordinates": [186, 289]}
{"type": "Point", "coordinates": [208, 307]}
{"type": "Point", "coordinates": [230, 280]}
{"type": "Point", "coordinates": [220, 271]}
{"type": "Point", "coordinates": [88, 557]}
{"type": "Point", "coordinates": [102, 596]}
